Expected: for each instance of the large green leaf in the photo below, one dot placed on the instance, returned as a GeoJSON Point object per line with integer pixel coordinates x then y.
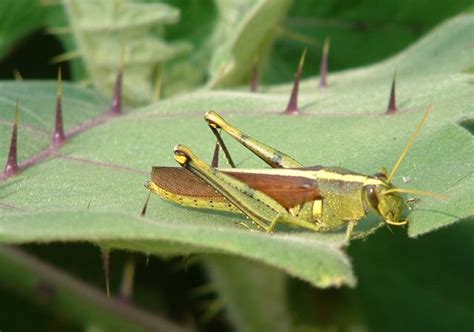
{"type": "Point", "coordinates": [93, 189]}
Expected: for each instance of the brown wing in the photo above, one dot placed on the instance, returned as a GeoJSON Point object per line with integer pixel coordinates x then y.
{"type": "Point", "coordinates": [288, 191]}
{"type": "Point", "coordinates": [182, 182]}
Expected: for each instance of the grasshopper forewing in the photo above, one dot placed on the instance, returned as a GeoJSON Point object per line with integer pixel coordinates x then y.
{"type": "Point", "coordinates": [317, 198]}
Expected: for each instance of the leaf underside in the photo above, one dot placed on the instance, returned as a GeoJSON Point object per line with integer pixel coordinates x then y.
{"type": "Point", "coordinates": [92, 190]}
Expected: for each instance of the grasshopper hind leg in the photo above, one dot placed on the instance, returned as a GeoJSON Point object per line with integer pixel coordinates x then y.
{"type": "Point", "coordinates": [292, 221]}
{"type": "Point", "coordinates": [271, 156]}
{"type": "Point", "coordinates": [259, 207]}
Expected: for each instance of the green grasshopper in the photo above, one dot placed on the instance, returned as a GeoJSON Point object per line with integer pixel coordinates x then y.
{"type": "Point", "coordinates": [317, 198]}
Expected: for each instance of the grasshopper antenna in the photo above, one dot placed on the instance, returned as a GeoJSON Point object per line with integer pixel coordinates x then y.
{"type": "Point", "coordinates": [415, 192]}
{"type": "Point", "coordinates": [409, 144]}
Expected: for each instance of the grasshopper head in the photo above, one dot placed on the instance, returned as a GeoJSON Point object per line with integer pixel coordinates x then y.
{"type": "Point", "coordinates": [379, 197]}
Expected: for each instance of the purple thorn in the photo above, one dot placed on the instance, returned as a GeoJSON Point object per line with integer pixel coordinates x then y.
{"type": "Point", "coordinates": [215, 156]}
{"type": "Point", "coordinates": [11, 168]}
{"type": "Point", "coordinates": [254, 78]}
{"type": "Point", "coordinates": [116, 107]}
{"type": "Point", "coordinates": [392, 103]}
{"type": "Point", "coordinates": [105, 255]}
{"type": "Point", "coordinates": [292, 108]}
{"type": "Point", "coordinates": [323, 73]}
{"type": "Point", "coordinates": [59, 138]}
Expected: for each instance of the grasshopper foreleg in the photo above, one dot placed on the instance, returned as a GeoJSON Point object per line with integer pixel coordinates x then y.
{"type": "Point", "coordinates": [349, 231]}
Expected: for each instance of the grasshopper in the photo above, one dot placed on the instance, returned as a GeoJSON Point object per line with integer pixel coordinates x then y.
{"type": "Point", "coordinates": [316, 198]}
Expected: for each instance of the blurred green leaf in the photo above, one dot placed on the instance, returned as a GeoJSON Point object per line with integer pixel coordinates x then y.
{"type": "Point", "coordinates": [17, 19]}
{"type": "Point", "coordinates": [253, 295]}
{"type": "Point", "coordinates": [75, 300]}
{"type": "Point", "coordinates": [215, 41]}
{"type": "Point", "coordinates": [245, 30]}
{"type": "Point", "coordinates": [106, 30]}
{"type": "Point", "coordinates": [361, 32]}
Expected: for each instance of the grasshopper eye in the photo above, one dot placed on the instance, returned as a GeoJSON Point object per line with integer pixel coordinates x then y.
{"type": "Point", "coordinates": [371, 196]}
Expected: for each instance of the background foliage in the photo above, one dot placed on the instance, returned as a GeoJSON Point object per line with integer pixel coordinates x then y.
{"type": "Point", "coordinates": [403, 283]}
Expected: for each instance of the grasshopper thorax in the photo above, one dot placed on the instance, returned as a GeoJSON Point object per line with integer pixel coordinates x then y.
{"type": "Point", "coordinates": [378, 196]}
